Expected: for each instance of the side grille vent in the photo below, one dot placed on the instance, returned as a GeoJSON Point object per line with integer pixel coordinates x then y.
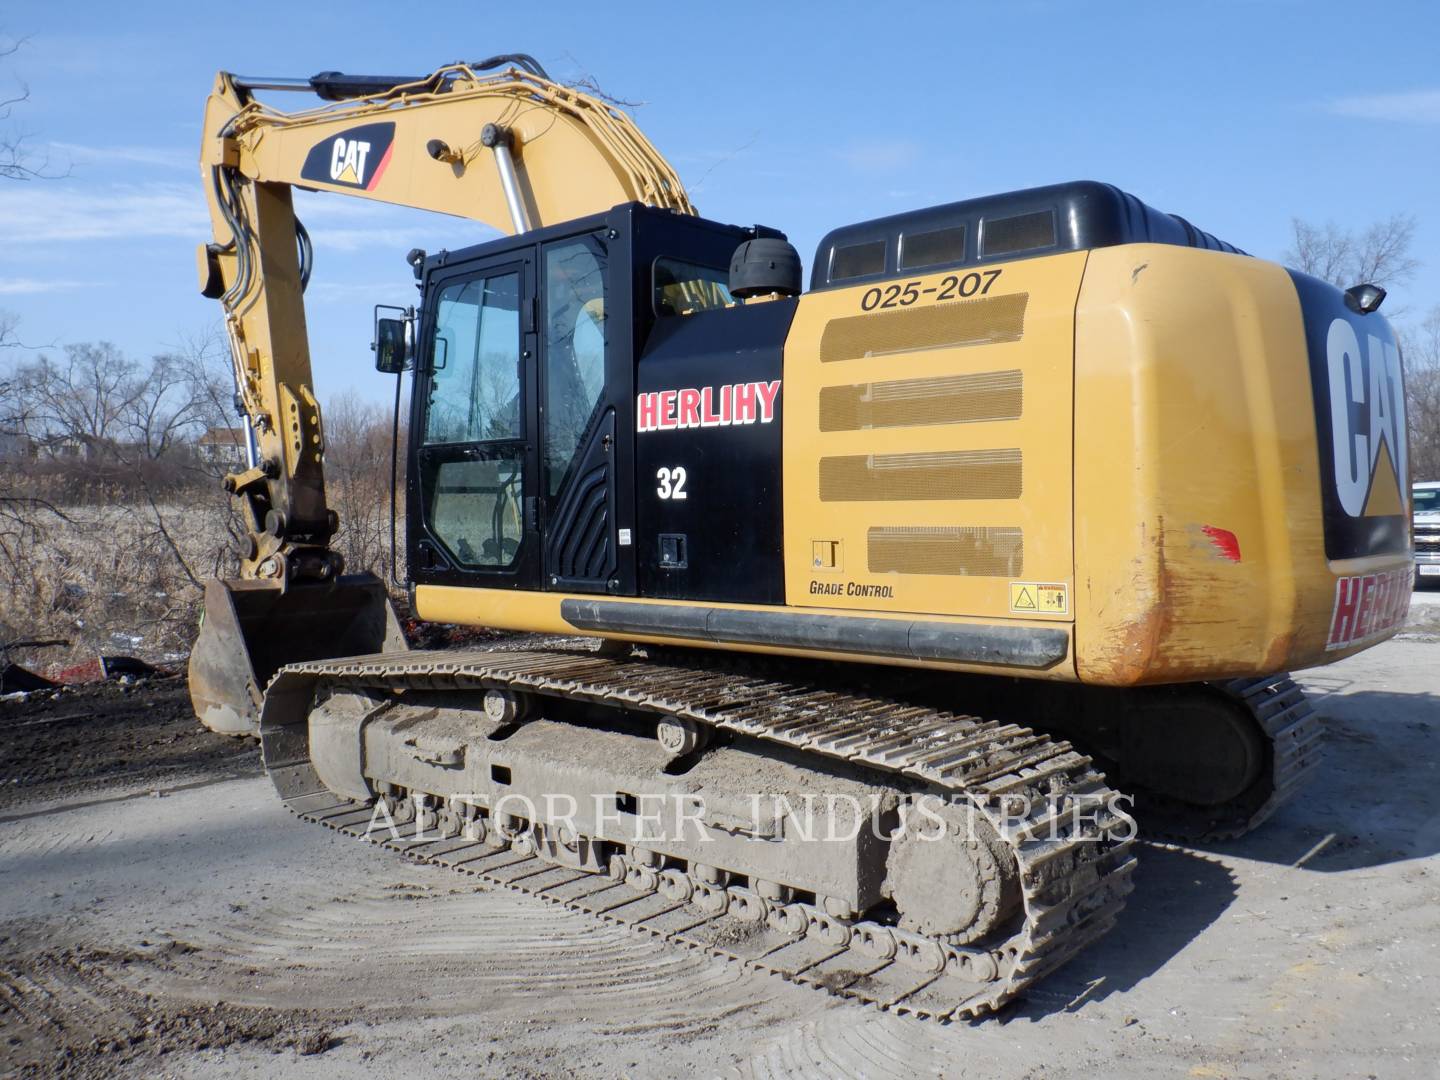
{"type": "Point", "coordinates": [951, 399]}
{"type": "Point", "coordinates": [949, 474]}
{"type": "Point", "coordinates": [933, 326]}
{"type": "Point", "coordinates": [952, 551]}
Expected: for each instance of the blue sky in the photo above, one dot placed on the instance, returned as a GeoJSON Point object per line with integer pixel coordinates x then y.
{"type": "Point", "coordinates": [1238, 114]}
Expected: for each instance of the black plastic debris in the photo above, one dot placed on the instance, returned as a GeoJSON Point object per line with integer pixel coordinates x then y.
{"type": "Point", "coordinates": [116, 667]}
{"type": "Point", "coordinates": [15, 679]}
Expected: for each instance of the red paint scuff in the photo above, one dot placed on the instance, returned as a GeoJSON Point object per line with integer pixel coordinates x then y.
{"type": "Point", "coordinates": [1225, 541]}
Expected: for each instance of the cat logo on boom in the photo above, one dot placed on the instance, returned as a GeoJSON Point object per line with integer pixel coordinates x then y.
{"type": "Point", "coordinates": [355, 158]}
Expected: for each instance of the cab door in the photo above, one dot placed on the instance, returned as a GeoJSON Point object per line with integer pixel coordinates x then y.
{"type": "Point", "coordinates": [475, 468]}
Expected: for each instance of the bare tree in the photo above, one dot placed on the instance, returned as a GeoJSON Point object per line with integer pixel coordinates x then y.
{"type": "Point", "coordinates": [163, 407]}
{"type": "Point", "coordinates": [19, 523]}
{"type": "Point", "coordinates": [1422, 395]}
{"type": "Point", "coordinates": [19, 513]}
{"type": "Point", "coordinates": [17, 161]}
{"type": "Point", "coordinates": [357, 480]}
{"type": "Point", "coordinates": [97, 398]}
{"type": "Point", "coordinates": [1378, 254]}
{"type": "Point", "coordinates": [203, 359]}
{"type": "Point", "coordinates": [86, 397]}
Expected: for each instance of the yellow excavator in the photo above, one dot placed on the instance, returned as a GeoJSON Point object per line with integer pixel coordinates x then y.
{"type": "Point", "coordinates": [886, 570]}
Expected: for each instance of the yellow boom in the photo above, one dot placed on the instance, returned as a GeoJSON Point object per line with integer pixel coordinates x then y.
{"type": "Point", "coordinates": [510, 148]}
{"type": "Point", "coordinates": [498, 142]}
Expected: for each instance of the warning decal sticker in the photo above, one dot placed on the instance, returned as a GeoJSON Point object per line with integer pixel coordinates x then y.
{"type": "Point", "coordinates": [1039, 597]}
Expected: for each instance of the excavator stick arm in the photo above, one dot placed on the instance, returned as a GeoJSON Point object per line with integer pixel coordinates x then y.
{"type": "Point", "coordinates": [496, 142]}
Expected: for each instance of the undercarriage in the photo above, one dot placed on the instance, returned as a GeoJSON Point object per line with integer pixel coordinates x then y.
{"type": "Point", "coordinates": [842, 834]}
{"type": "Point", "coordinates": [912, 857]}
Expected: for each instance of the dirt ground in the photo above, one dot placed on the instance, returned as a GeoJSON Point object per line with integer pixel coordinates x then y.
{"type": "Point", "coordinates": [104, 736]}
{"type": "Point", "coordinates": [161, 914]}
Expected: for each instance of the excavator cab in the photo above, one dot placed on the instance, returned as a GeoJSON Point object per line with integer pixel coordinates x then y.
{"type": "Point", "coordinates": [531, 354]}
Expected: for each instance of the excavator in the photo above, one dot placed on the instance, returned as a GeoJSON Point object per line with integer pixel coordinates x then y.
{"type": "Point", "coordinates": [915, 589]}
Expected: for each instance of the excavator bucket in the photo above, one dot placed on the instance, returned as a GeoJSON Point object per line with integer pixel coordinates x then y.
{"type": "Point", "coordinates": [252, 628]}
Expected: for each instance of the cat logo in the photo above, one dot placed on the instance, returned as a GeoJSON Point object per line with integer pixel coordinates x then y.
{"type": "Point", "coordinates": [1357, 386]}
{"type": "Point", "coordinates": [355, 158]}
{"type": "Point", "coordinates": [347, 162]}
{"type": "Point", "coordinates": [1367, 422]}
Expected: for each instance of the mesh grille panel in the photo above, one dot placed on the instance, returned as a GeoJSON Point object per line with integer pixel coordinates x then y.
{"type": "Point", "coordinates": [934, 326]}
{"type": "Point", "coordinates": [949, 474]}
{"type": "Point", "coordinates": [952, 399]}
{"type": "Point", "coordinates": [956, 551]}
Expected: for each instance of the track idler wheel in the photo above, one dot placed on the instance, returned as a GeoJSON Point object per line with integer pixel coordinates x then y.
{"type": "Point", "coordinates": [951, 879]}
{"type": "Point", "coordinates": [681, 736]}
{"type": "Point", "coordinates": [505, 706]}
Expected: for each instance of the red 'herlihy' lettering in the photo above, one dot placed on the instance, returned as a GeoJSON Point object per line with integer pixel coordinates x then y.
{"type": "Point", "coordinates": [649, 412]}
{"type": "Point", "coordinates": [709, 406]}
{"type": "Point", "coordinates": [744, 395]}
{"type": "Point", "coordinates": [1367, 606]}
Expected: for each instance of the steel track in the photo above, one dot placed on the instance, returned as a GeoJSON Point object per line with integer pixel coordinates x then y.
{"type": "Point", "coordinates": [1295, 739]}
{"type": "Point", "coordinates": [1072, 853]}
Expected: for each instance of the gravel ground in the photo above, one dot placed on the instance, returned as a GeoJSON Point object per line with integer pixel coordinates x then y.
{"type": "Point", "coordinates": [161, 914]}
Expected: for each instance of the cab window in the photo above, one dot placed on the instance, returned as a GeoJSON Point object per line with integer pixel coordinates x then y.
{"type": "Point", "coordinates": [475, 362]}
{"type": "Point", "coordinates": [574, 350]}
{"type": "Point", "coordinates": [682, 288]}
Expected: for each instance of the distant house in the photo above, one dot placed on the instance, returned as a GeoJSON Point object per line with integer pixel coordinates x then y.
{"type": "Point", "coordinates": [221, 446]}
{"type": "Point", "coordinates": [15, 448]}
{"type": "Point", "coordinates": [73, 448]}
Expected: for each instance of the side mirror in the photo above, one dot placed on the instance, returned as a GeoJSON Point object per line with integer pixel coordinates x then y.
{"type": "Point", "coordinates": [392, 344]}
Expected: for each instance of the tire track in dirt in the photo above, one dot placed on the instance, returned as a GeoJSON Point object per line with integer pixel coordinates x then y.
{"type": "Point", "coordinates": [43, 845]}
{"type": "Point", "coordinates": [870, 1045]}
{"type": "Point", "coordinates": [441, 951]}
{"type": "Point", "coordinates": [66, 1010]}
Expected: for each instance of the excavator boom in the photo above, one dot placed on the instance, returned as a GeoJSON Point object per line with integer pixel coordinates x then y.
{"type": "Point", "coordinates": [497, 142]}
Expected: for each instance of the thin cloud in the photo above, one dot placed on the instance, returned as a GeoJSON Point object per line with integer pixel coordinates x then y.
{"type": "Point", "coordinates": [350, 240]}
{"type": "Point", "coordinates": [344, 224]}
{"type": "Point", "coordinates": [41, 215]}
{"type": "Point", "coordinates": [163, 157]}
{"type": "Point", "coordinates": [48, 214]}
{"type": "Point", "coordinates": [29, 286]}
{"type": "Point", "coordinates": [1411, 107]}
{"type": "Point", "coordinates": [394, 238]}
{"type": "Point", "coordinates": [34, 215]}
